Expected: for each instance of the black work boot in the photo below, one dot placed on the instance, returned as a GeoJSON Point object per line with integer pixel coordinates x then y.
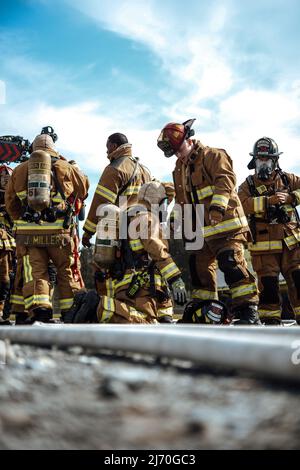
{"type": "Point", "coordinates": [4, 322]}
{"type": "Point", "coordinates": [246, 315]}
{"type": "Point", "coordinates": [274, 321]}
{"type": "Point", "coordinates": [166, 319]}
{"type": "Point", "coordinates": [21, 318]}
{"type": "Point", "coordinates": [67, 316]}
{"type": "Point", "coordinates": [42, 314]}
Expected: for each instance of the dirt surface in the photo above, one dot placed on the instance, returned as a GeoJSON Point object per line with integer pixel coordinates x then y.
{"type": "Point", "coordinates": [53, 399]}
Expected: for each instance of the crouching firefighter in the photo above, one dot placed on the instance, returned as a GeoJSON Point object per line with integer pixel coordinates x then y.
{"type": "Point", "coordinates": [204, 176]}
{"type": "Point", "coordinates": [40, 199]}
{"type": "Point", "coordinates": [269, 198]}
{"type": "Point", "coordinates": [7, 245]}
{"type": "Point", "coordinates": [136, 265]}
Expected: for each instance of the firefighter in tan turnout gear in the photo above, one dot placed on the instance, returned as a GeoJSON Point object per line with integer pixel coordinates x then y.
{"type": "Point", "coordinates": [122, 177]}
{"type": "Point", "coordinates": [204, 175]}
{"type": "Point", "coordinates": [269, 198]}
{"type": "Point", "coordinates": [7, 243]}
{"type": "Point", "coordinates": [41, 199]}
{"type": "Point", "coordinates": [141, 266]}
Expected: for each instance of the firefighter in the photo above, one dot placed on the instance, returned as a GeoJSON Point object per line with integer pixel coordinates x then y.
{"type": "Point", "coordinates": [122, 177]}
{"type": "Point", "coordinates": [41, 199]}
{"type": "Point", "coordinates": [269, 198]}
{"type": "Point", "coordinates": [7, 244]}
{"type": "Point", "coordinates": [204, 175]}
{"type": "Point", "coordinates": [142, 267]}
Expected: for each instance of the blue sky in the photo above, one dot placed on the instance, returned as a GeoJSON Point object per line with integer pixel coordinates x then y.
{"type": "Point", "coordinates": [96, 67]}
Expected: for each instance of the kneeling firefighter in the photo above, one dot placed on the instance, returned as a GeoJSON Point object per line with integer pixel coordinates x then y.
{"type": "Point", "coordinates": [269, 199]}
{"type": "Point", "coordinates": [137, 267]}
{"type": "Point", "coordinates": [41, 199]}
{"type": "Point", "coordinates": [7, 244]}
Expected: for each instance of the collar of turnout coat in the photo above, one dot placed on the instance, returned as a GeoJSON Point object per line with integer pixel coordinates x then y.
{"type": "Point", "coordinates": [122, 151]}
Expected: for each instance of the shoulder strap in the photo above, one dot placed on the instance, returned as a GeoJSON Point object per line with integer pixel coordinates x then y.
{"type": "Point", "coordinates": [284, 179]}
{"type": "Point", "coordinates": [132, 176]}
{"type": "Point", "coordinates": [57, 184]}
{"type": "Point", "coordinates": [251, 185]}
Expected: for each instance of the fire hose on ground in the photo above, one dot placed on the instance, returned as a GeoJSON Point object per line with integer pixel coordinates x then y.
{"type": "Point", "coordinates": [262, 351]}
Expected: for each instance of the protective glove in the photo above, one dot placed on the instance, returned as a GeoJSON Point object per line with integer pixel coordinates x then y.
{"type": "Point", "coordinates": [86, 240]}
{"type": "Point", "coordinates": [215, 217]}
{"type": "Point", "coordinates": [179, 292]}
{"type": "Point", "coordinates": [280, 198]}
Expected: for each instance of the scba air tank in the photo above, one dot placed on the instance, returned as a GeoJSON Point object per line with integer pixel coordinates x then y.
{"type": "Point", "coordinates": [39, 180]}
{"type": "Point", "coordinates": [107, 236]}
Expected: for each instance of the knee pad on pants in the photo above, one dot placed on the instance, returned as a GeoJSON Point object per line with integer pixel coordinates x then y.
{"type": "Point", "coordinates": [296, 279]}
{"type": "Point", "coordinates": [269, 294]}
{"type": "Point", "coordinates": [228, 265]}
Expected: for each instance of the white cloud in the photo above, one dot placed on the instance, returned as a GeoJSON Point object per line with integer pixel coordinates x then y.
{"type": "Point", "coordinates": [189, 47]}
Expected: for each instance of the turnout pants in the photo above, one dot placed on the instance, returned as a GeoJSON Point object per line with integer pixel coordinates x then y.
{"type": "Point", "coordinates": [37, 287]}
{"type": "Point", "coordinates": [268, 267]}
{"type": "Point", "coordinates": [5, 269]}
{"type": "Point", "coordinates": [116, 307]}
{"type": "Point", "coordinates": [228, 253]}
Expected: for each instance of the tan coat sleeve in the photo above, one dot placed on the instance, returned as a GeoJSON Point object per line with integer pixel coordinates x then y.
{"type": "Point", "coordinates": [108, 188]}
{"type": "Point", "coordinates": [13, 203]}
{"type": "Point", "coordinates": [158, 250]}
{"type": "Point", "coordinates": [71, 179]}
{"type": "Point", "coordinates": [251, 205]}
{"type": "Point", "coordinates": [295, 187]}
{"type": "Point", "coordinates": [219, 165]}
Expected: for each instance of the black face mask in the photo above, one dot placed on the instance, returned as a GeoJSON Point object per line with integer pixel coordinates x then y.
{"type": "Point", "coordinates": [264, 170]}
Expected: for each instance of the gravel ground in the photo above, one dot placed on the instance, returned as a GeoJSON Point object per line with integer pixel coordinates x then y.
{"type": "Point", "coordinates": [54, 399]}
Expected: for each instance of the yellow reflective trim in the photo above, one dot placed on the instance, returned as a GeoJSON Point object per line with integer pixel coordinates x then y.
{"type": "Point", "coordinates": [243, 290]}
{"type": "Point", "coordinates": [204, 294]}
{"type": "Point", "coordinates": [106, 193]}
{"type": "Point", "coordinates": [131, 190]}
{"type": "Point", "coordinates": [269, 313]}
{"type": "Point", "coordinates": [108, 303]}
{"type": "Point", "coordinates": [90, 226]}
{"type": "Point", "coordinates": [259, 203]}
{"type": "Point", "coordinates": [22, 194]}
{"type": "Point", "coordinates": [27, 269]}
{"type": "Point", "coordinates": [106, 316]}
{"type": "Point", "coordinates": [169, 270]}
{"type": "Point", "coordinates": [205, 192]}
{"type": "Point", "coordinates": [296, 310]}
{"type": "Point", "coordinates": [136, 245]}
{"type": "Point", "coordinates": [268, 245]}
{"type": "Point", "coordinates": [136, 313]}
{"type": "Point", "coordinates": [162, 312]}
{"type": "Point", "coordinates": [17, 299]}
{"type": "Point", "coordinates": [65, 304]}
{"type": "Point", "coordinates": [37, 299]}
{"type": "Point", "coordinates": [226, 226]}
{"type": "Point", "coordinates": [219, 200]}
{"type": "Point", "coordinates": [110, 286]}
{"type": "Point", "coordinates": [125, 280]}
{"type": "Point", "coordinates": [22, 225]}
{"type": "Point", "coordinates": [158, 281]}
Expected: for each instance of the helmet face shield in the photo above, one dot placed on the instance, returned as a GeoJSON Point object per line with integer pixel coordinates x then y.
{"type": "Point", "coordinates": [173, 135]}
{"type": "Point", "coordinates": [166, 147]}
